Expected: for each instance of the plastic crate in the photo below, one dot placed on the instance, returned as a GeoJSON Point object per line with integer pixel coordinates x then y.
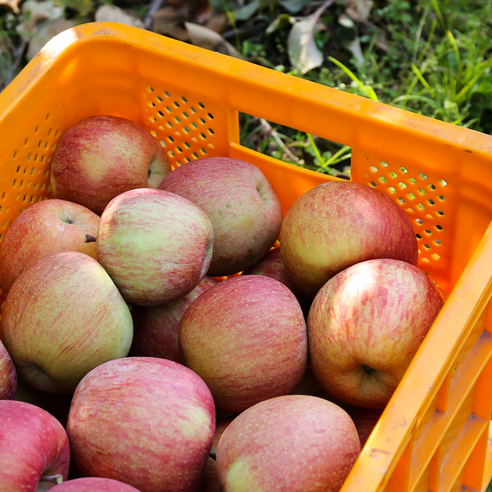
{"type": "Point", "coordinates": [433, 434]}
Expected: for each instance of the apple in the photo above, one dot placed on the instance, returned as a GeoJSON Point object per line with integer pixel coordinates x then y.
{"type": "Point", "coordinates": [337, 224]}
{"type": "Point", "coordinates": [271, 265]}
{"type": "Point", "coordinates": [242, 204]}
{"type": "Point", "coordinates": [102, 156]}
{"type": "Point", "coordinates": [8, 375]}
{"type": "Point", "coordinates": [156, 327]}
{"type": "Point", "coordinates": [246, 338]}
{"type": "Point", "coordinates": [94, 484]}
{"type": "Point", "coordinates": [155, 245]}
{"type": "Point", "coordinates": [144, 421]}
{"type": "Point", "coordinates": [34, 448]}
{"type": "Point", "coordinates": [294, 442]}
{"type": "Point", "coordinates": [365, 326]}
{"type": "Point", "coordinates": [46, 227]}
{"type": "Point", "coordinates": [62, 317]}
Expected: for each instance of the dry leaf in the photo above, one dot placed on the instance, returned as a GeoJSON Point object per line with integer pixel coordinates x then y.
{"type": "Point", "coordinates": [206, 38]}
{"type": "Point", "coordinates": [13, 4]}
{"type": "Point", "coordinates": [358, 10]}
{"type": "Point", "coordinates": [111, 13]}
{"type": "Point", "coordinates": [170, 22]}
{"type": "Point", "coordinates": [45, 31]}
{"type": "Point", "coordinates": [303, 53]}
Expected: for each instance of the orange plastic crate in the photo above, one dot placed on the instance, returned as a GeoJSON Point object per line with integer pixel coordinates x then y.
{"type": "Point", "coordinates": [433, 435]}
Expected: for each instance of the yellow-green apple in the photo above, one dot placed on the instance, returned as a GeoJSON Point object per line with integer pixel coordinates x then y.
{"type": "Point", "coordinates": [297, 443]}
{"type": "Point", "coordinates": [155, 328]}
{"type": "Point", "coordinates": [155, 245]}
{"type": "Point", "coordinates": [46, 227]}
{"type": "Point", "coordinates": [242, 204]}
{"type": "Point", "coordinates": [144, 421]}
{"type": "Point", "coordinates": [8, 375]}
{"type": "Point", "coordinates": [62, 317]}
{"type": "Point", "coordinates": [34, 448]}
{"type": "Point", "coordinates": [102, 156]}
{"type": "Point", "coordinates": [365, 326]}
{"type": "Point", "coordinates": [211, 481]}
{"type": "Point", "coordinates": [271, 265]}
{"type": "Point", "coordinates": [340, 223]}
{"type": "Point", "coordinates": [94, 484]}
{"type": "Point", "coordinates": [246, 338]}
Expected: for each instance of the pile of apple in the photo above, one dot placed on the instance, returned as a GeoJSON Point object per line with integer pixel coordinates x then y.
{"type": "Point", "coordinates": [156, 338]}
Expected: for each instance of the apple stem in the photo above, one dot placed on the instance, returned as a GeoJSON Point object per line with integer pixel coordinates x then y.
{"type": "Point", "coordinates": [213, 454]}
{"type": "Point", "coordinates": [89, 238]}
{"type": "Point", "coordinates": [57, 479]}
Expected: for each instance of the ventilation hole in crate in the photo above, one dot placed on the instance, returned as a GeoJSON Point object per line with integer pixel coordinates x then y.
{"type": "Point", "coordinates": [57, 133]}
{"type": "Point", "coordinates": [411, 196]}
{"type": "Point", "coordinates": [210, 116]}
{"type": "Point", "coordinates": [46, 173]}
{"type": "Point", "coordinates": [441, 198]}
{"type": "Point", "coordinates": [422, 176]}
{"type": "Point", "coordinates": [26, 141]}
{"type": "Point", "coordinates": [421, 191]}
{"type": "Point", "coordinates": [150, 88]}
{"type": "Point", "coordinates": [195, 155]}
{"type": "Point", "coordinates": [153, 133]}
{"type": "Point", "coordinates": [211, 132]}
{"type": "Point", "coordinates": [171, 153]}
{"type": "Point", "coordinates": [435, 257]}
{"type": "Point", "coordinates": [438, 227]}
{"type": "Point", "coordinates": [187, 145]}
{"type": "Point", "coordinates": [39, 144]}
{"type": "Point", "coordinates": [193, 110]}
{"type": "Point", "coordinates": [169, 124]}
{"type": "Point", "coordinates": [162, 143]}
{"type": "Point", "coordinates": [440, 212]}
{"type": "Point", "coordinates": [393, 175]}
{"type": "Point", "coordinates": [431, 202]}
{"type": "Point", "coordinates": [202, 136]}
{"type": "Point", "coordinates": [179, 150]}
{"type": "Point", "coordinates": [15, 154]}
{"type": "Point", "coordinates": [171, 139]}
{"type": "Point", "coordinates": [412, 181]}
{"type": "Point", "coordinates": [401, 200]}
{"type": "Point", "coordinates": [384, 164]}
{"type": "Point", "coordinates": [185, 114]}
{"type": "Point", "coordinates": [194, 125]}
{"type": "Point", "coordinates": [211, 146]}
{"type": "Point", "coordinates": [35, 185]}
{"type": "Point", "coordinates": [429, 233]}
{"type": "Point", "coordinates": [418, 236]}
{"type": "Point", "coordinates": [420, 206]}
{"type": "Point", "coordinates": [382, 179]}
{"type": "Point", "coordinates": [15, 181]}
{"type": "Point", "coordinates": [186, 129]}
{"type": "Point", "coordinates": [187, 159]}
{"type": "Point", "coordinates": [392, 190]}
{"type": "Point", "coordinates": [442, 182]}
{"type": "Point", "coordinates": [409, 210]}
{"type": "Point", "coordinates": [167, 94]}
{"type": "Point", "coordinates": [402, 185]}
{"type": "Point", "coordinates": [159, 99]}
{"type": "Point", "coordinates": [177, 120]}
{"type": "Point", "coordinates": [437, 242]}
{"type": "Point", "coordinates": [176, 104]}
{"type": "Point", "coordinates": [203, 151]}
{"type": "Point", "coordinates": [373, 169]}
{"type": "Point", "coordinates": [202, 121]}
{"type": "Point", "coordinates": [426, 246]}
{"type": "Point", "coordinates": [151, 104]}
{"type": "Point", "coordinates": [47, 117]}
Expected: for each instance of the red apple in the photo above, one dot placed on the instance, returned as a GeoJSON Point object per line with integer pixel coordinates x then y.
{"type": "Point", "coordinates": [297, 443]}
{"type": "Point", "coordinates": [365, 326]}
{"type": "Point", "coordinates": [243, 207]}
{"type": "Point", "coordinates": [102, 156]}
{"type": "Point", "coordinates": [144, 421]}
{"type": "Point", "coordinates": [62, 317]}
{"type": "Point", "coordinates": [246, 338]}
{"type": "Point", "coordinates": [155, 245]}
{"type": "Point", "coordinates": [34, 447]}
{"type": "Point", "coordinates": [94, 484]}
{"type": "Point", "coordinates": [340, 223]}
{"type": "Point", "coordinates": [8, 375]}
{"type": "Point", "coordinates": [271, 265]}
{"type": "Point", "coordinates": [156, 327]}
{"type": "Point", "coordinates": [49, 226]}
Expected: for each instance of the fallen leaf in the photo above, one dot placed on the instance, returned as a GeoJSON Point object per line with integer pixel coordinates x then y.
{"type": "Point", "coordinates": [34, 13]}
{"type": "Point", "coordinates": [206, 38]}
{"type": "Point", "coordinates": [111, 13]}
{"type": "Point", "coordinates": [13, 4]}
{"type": "Point", "coordinates": [45, 31]}
{"type": "Point", "coordinates": [280, 22]}
{"type": "Point", "coordinates": [358, 10]}
{"type": "Point", "coordinates": [303, 53]}
{"type": "Point", "coordinates": [83, 7]}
